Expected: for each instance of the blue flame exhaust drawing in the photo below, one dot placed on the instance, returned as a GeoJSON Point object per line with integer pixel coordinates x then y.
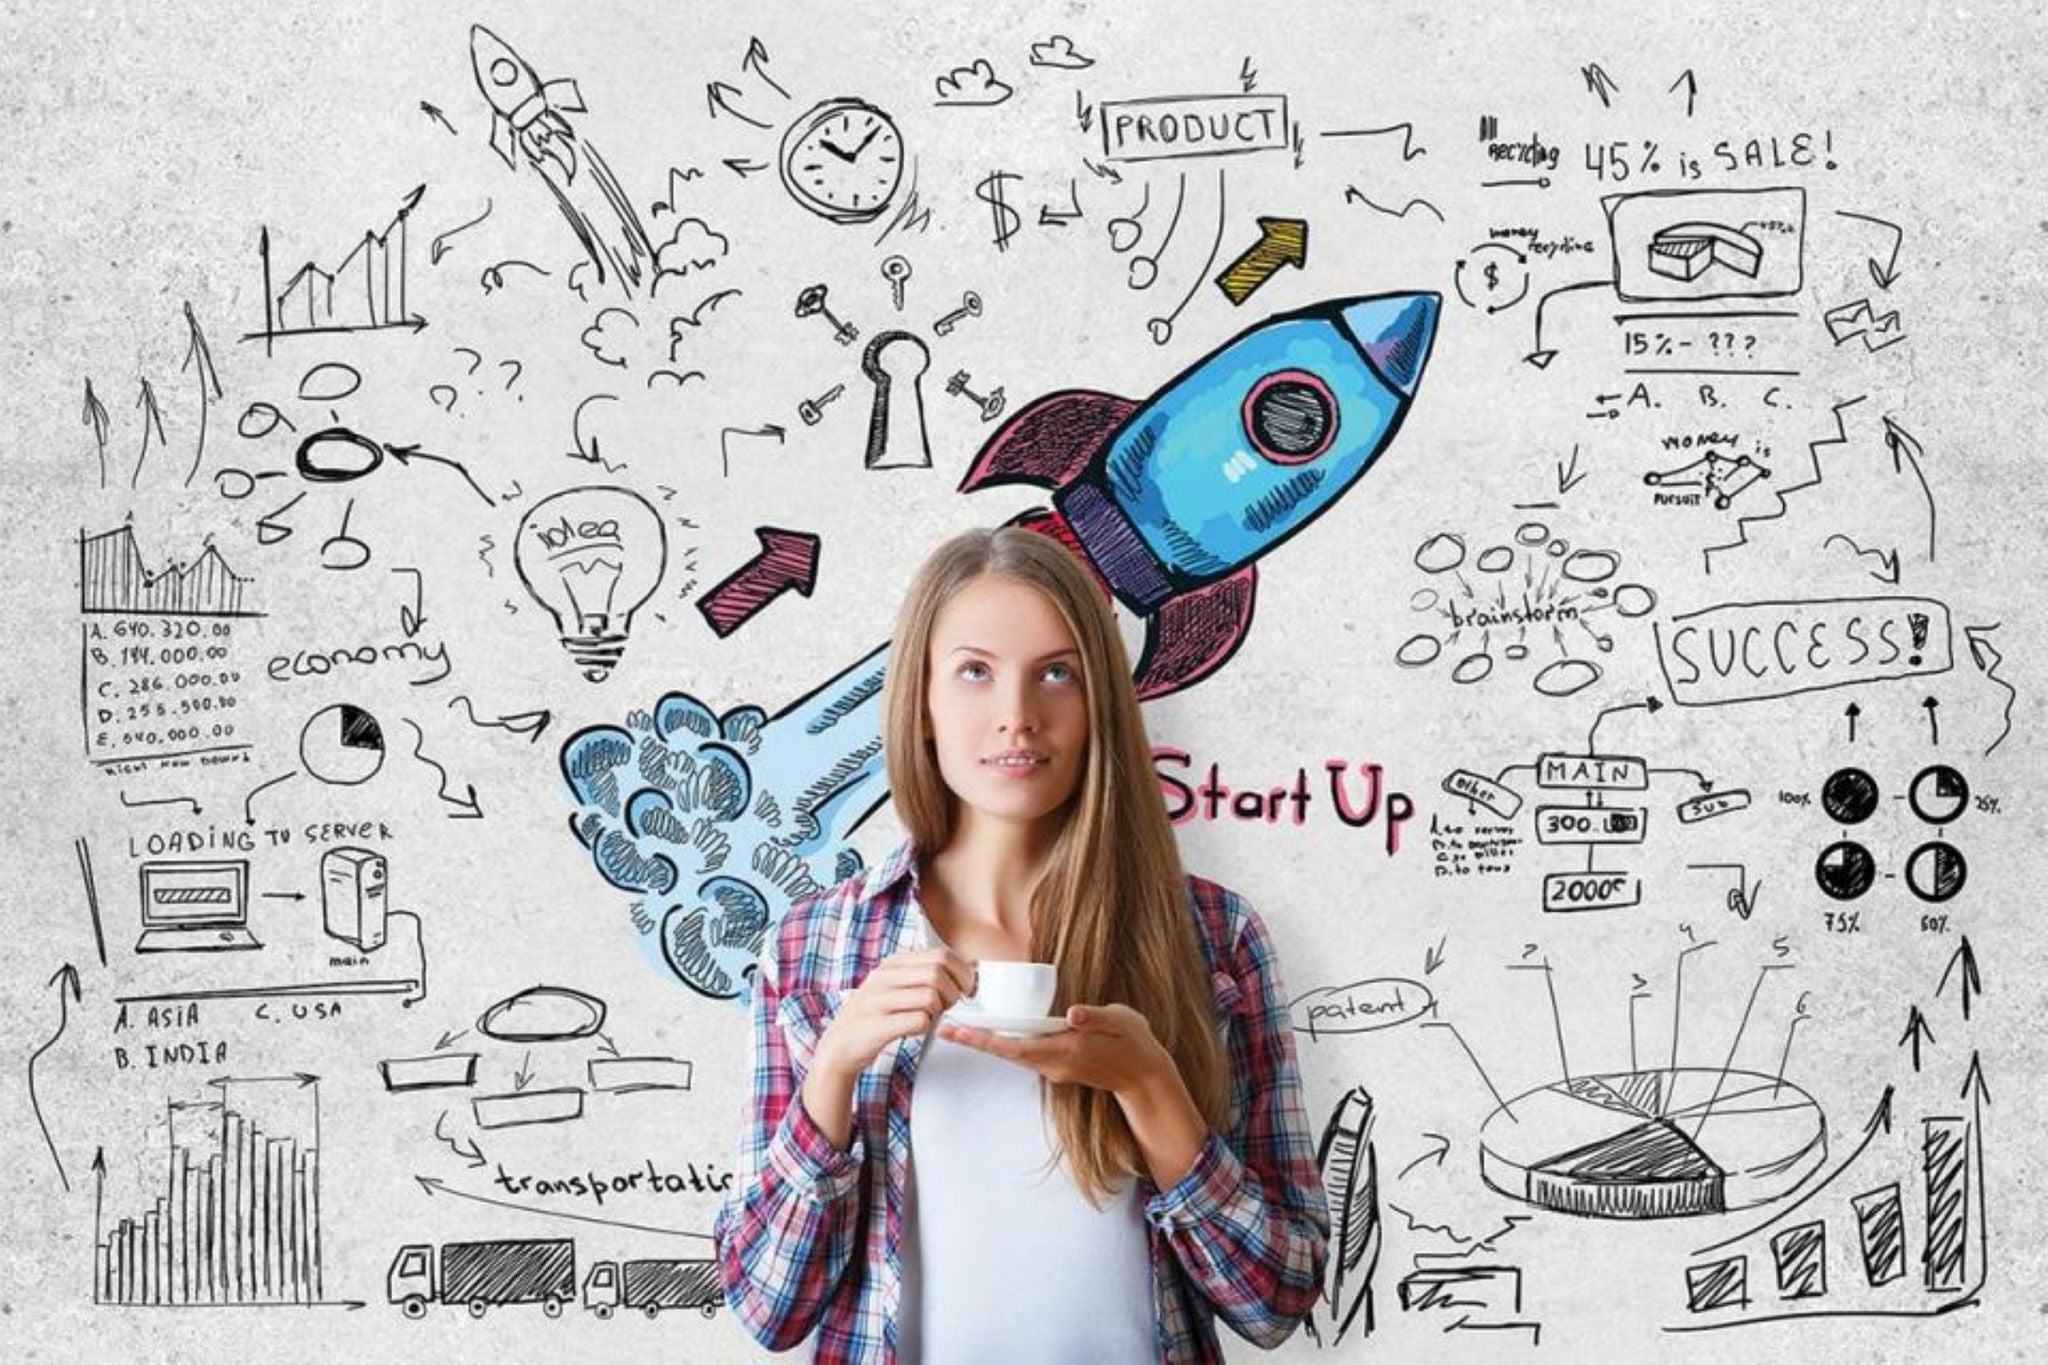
{"type": "Point", "coordinates": [1173, 500]}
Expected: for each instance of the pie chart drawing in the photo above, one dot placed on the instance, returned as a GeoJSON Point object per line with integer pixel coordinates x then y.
{"type": "Point", "coordinates": [342, 745]}
{"type": "Point", "coordinates": [1654, 1144]}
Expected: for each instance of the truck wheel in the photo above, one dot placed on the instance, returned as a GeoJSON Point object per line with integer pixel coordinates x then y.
{"type": "Point", "coordinates": [652, 1310]}
{"type": "Point", "coordinates": [603, 1310]}
{"type": "Point", "coordinates": [711, 1309]}
{"type": "Point", "coordinates": [477, 1307]}
{"type": "Point", "coordinates": [414, 1307]}
{"type": "Point", "coordinates": [552, 1307]}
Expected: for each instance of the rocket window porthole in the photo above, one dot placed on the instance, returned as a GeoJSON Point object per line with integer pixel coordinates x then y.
{"type": "Point", "coordinates": [1290, 416]}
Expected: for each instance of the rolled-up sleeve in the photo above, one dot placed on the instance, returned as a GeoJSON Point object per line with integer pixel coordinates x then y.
{"type": "Point", "coordinates": [1249, 1222]}
{"type": "Point", "coordinates": [786, 1231]}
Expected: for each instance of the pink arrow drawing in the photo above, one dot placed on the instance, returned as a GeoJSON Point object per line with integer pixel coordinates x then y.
{"type": "Point", "coordinates": [788, 559]}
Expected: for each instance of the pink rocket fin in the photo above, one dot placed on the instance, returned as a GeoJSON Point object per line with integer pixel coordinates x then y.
{"type": "Point", "coordinates": [1048, 522]}
{"type": "Point", "coordinates": [1192, 635]}
{"type": "Point", "coordinates": [1050, 442]}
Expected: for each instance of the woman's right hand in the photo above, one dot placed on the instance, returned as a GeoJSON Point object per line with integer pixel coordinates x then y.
{"type": "Point", "coordinates": [904, 994]}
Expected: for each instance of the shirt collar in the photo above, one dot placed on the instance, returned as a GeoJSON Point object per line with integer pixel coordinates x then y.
{"type": "Point", "coordinates": [900, 864]}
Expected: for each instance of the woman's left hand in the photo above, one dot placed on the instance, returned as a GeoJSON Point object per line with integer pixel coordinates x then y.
{"type": "Point", "coordinates": [1109, 1047]}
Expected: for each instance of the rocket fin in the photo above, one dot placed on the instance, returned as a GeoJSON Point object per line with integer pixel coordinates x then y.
{"type": "Point", "coordinates": [502, 139]}
{"type": "Point", "coordinates": [1195, 633]}
{"type": "Point", "coordinates": [563, 94]}
{"type": "Point", "coordinates": [1050, 442]}
{"type": "Point", "coordinates": [1050, 523]}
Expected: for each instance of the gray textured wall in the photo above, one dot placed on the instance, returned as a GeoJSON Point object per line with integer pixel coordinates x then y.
{"type": "Point", "coordinates": [1537, 565]}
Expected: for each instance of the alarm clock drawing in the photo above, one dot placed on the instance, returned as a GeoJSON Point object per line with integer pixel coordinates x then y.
{"type": "Point", "coordinates": [843, 160]}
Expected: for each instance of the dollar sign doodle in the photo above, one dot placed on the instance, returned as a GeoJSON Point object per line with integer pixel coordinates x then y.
{"type": "Point", "coordinates": [1492, 277]}
{"type": "Point", "coordinates": [1007, 220]}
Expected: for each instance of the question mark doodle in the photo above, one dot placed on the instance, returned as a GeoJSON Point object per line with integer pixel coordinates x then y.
{"type": "Point", "coordinates": [517, 370]}
{"type": "Point", "coordinates": [434, 397]}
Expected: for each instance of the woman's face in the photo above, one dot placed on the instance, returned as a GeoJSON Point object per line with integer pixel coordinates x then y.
{"type": "Point", "coordinates": [1006, 700]}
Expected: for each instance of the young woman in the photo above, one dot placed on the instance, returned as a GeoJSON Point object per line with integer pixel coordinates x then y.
{"type": "Point", "coordinates": [1099, 1189]}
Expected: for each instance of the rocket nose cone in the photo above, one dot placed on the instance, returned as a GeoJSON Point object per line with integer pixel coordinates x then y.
{"type": "Point", "coordinates": [1395, 333]}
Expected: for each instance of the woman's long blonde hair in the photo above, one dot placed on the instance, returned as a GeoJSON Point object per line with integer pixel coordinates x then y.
{"type": "Point", "coordinates": [1112, 906]}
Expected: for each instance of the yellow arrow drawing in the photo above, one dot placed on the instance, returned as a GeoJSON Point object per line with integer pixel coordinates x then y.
{"type": "Point", "coordinates": [1282, 241]}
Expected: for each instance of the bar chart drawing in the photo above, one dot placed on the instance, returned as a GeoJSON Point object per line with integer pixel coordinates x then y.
{"type": "Point", "coordinates": [365, 292]}
{"type": "Point", "coordinates": [112, 577]}
{"type": "Point", "coordinates": [237, 1219]}
{"type": "Point", "coordinates": [1942, 1202]}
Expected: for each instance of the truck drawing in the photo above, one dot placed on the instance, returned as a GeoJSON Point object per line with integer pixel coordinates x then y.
{"type": "Point", "coordinates": [653, 1286]}
{"type": "Point", "coordinates": [484, 1275]}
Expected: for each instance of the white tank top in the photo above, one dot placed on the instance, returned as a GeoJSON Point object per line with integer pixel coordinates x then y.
{"type": "Point", "coordinates": [1002, 1263]}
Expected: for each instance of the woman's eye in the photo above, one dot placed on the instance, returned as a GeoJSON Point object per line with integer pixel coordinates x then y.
{"type": "Point", "coordinates": [967, 667]}
{"type": "Point", "coordinates": [1065, 671]}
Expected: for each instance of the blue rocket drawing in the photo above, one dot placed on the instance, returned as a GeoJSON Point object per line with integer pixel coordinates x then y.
{"type": "Point", "coordinates": [1173, 500]}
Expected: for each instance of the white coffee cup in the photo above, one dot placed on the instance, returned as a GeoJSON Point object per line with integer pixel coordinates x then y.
{"type": "Point", "coordinates": [1016, 990]}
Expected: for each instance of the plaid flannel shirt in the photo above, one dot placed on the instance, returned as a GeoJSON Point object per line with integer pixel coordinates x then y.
{"type": "Point", "coordinates": [808, 1237]}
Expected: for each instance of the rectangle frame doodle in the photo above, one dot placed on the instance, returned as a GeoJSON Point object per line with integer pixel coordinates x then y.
{"type": "Point", "coordinates": [1573, 825]}
{"type": "Point", "coordinates": [1569, 893]}
{"type": "Point", "coordinates": [1147, 122]}
{"type": "Point", "coordinates": [1707, 244]}
{"type": "Point", "coordinates": [1819, 626]}
{"type": "Point", "coordinates": [1592, 772]}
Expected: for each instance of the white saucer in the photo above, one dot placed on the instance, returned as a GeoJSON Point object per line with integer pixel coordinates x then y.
{"type": "Point", "coordinates": [1009, 1026]}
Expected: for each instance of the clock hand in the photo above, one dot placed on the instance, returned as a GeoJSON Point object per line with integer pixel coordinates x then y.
{"type": "Point", "coordinates": [866, 140]}
{"type": "Point", "coordinates": [845, 156]}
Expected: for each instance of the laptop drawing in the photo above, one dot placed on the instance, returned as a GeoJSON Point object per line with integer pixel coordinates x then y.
{"type": "Point", "coordinates": [195, 908]}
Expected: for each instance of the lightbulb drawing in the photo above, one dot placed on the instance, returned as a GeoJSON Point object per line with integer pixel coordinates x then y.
{"type": "Point", "coordinates": [592, 556]}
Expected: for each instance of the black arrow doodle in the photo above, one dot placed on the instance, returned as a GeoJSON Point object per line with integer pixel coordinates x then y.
{"type": "Point", "coordinates": [435, 1187]}
{"type": "Point", "coordinates": [756, 62]}
{"type": "Point", "coordinates": [1439, 1149]}
{"type": "Point", "coordinates": [1569, 478]}
{"type": "Point", "coordinates": [1903, 446]}
{"type": "Point", "coordinates": [1932, 706]}
{"type": "Point", "coordinates": [1600, 83]}
{"type": "Point", "coordinates": [1852, 710]}
{"type": "Point", "coordinates": [439, 247]}
{"type": "Point", "coordinates": [1650, 704]}
{"type": "Point", "coordinates": [1882, 275]}
{"type": "Point", "coordinates": [472, 1155]}
{"type": "Point", "coordinates": [1969, 984]}
{"type": "Point", "coordinates": [1537, 356]}
{"type": "Point", "coordinates": [437, 116]}
{"type": "Point", "coordinates": [528, 723]}
{"type": "Point", "coordinates": [405, 455]}
{"type": "Point", "coordinates": [1888, 571]}
{"type": "Point", "coordinates": [718, 96]}
{"type": "Point", "coordinates": [466, 808]}
{"type": "Point", "coordinates": [1987, 658]}
{"type": "Point", "coordinates": [742, 167]}
{"type": "Point", "coordinates": [410, 619]}
{"type": "Point", "coordinates": [1916, 1033]}
{"type": "Point", "coordinates": [94, 415]}
{"type": "Point", "coordinates": [161, 801]}
{"type": "Point", "coordinates": [248, 813]}
{"type": "Point", "coordinates": [151, 420]}
{"type": "Point", "coordinates": [725, 450]}
{"type": "Point", "coordinates": [1692, 88]}
{"type": "Point", "coordinates": [198, 356]}
{"type": "Point", "coordinates": [66, 981]}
